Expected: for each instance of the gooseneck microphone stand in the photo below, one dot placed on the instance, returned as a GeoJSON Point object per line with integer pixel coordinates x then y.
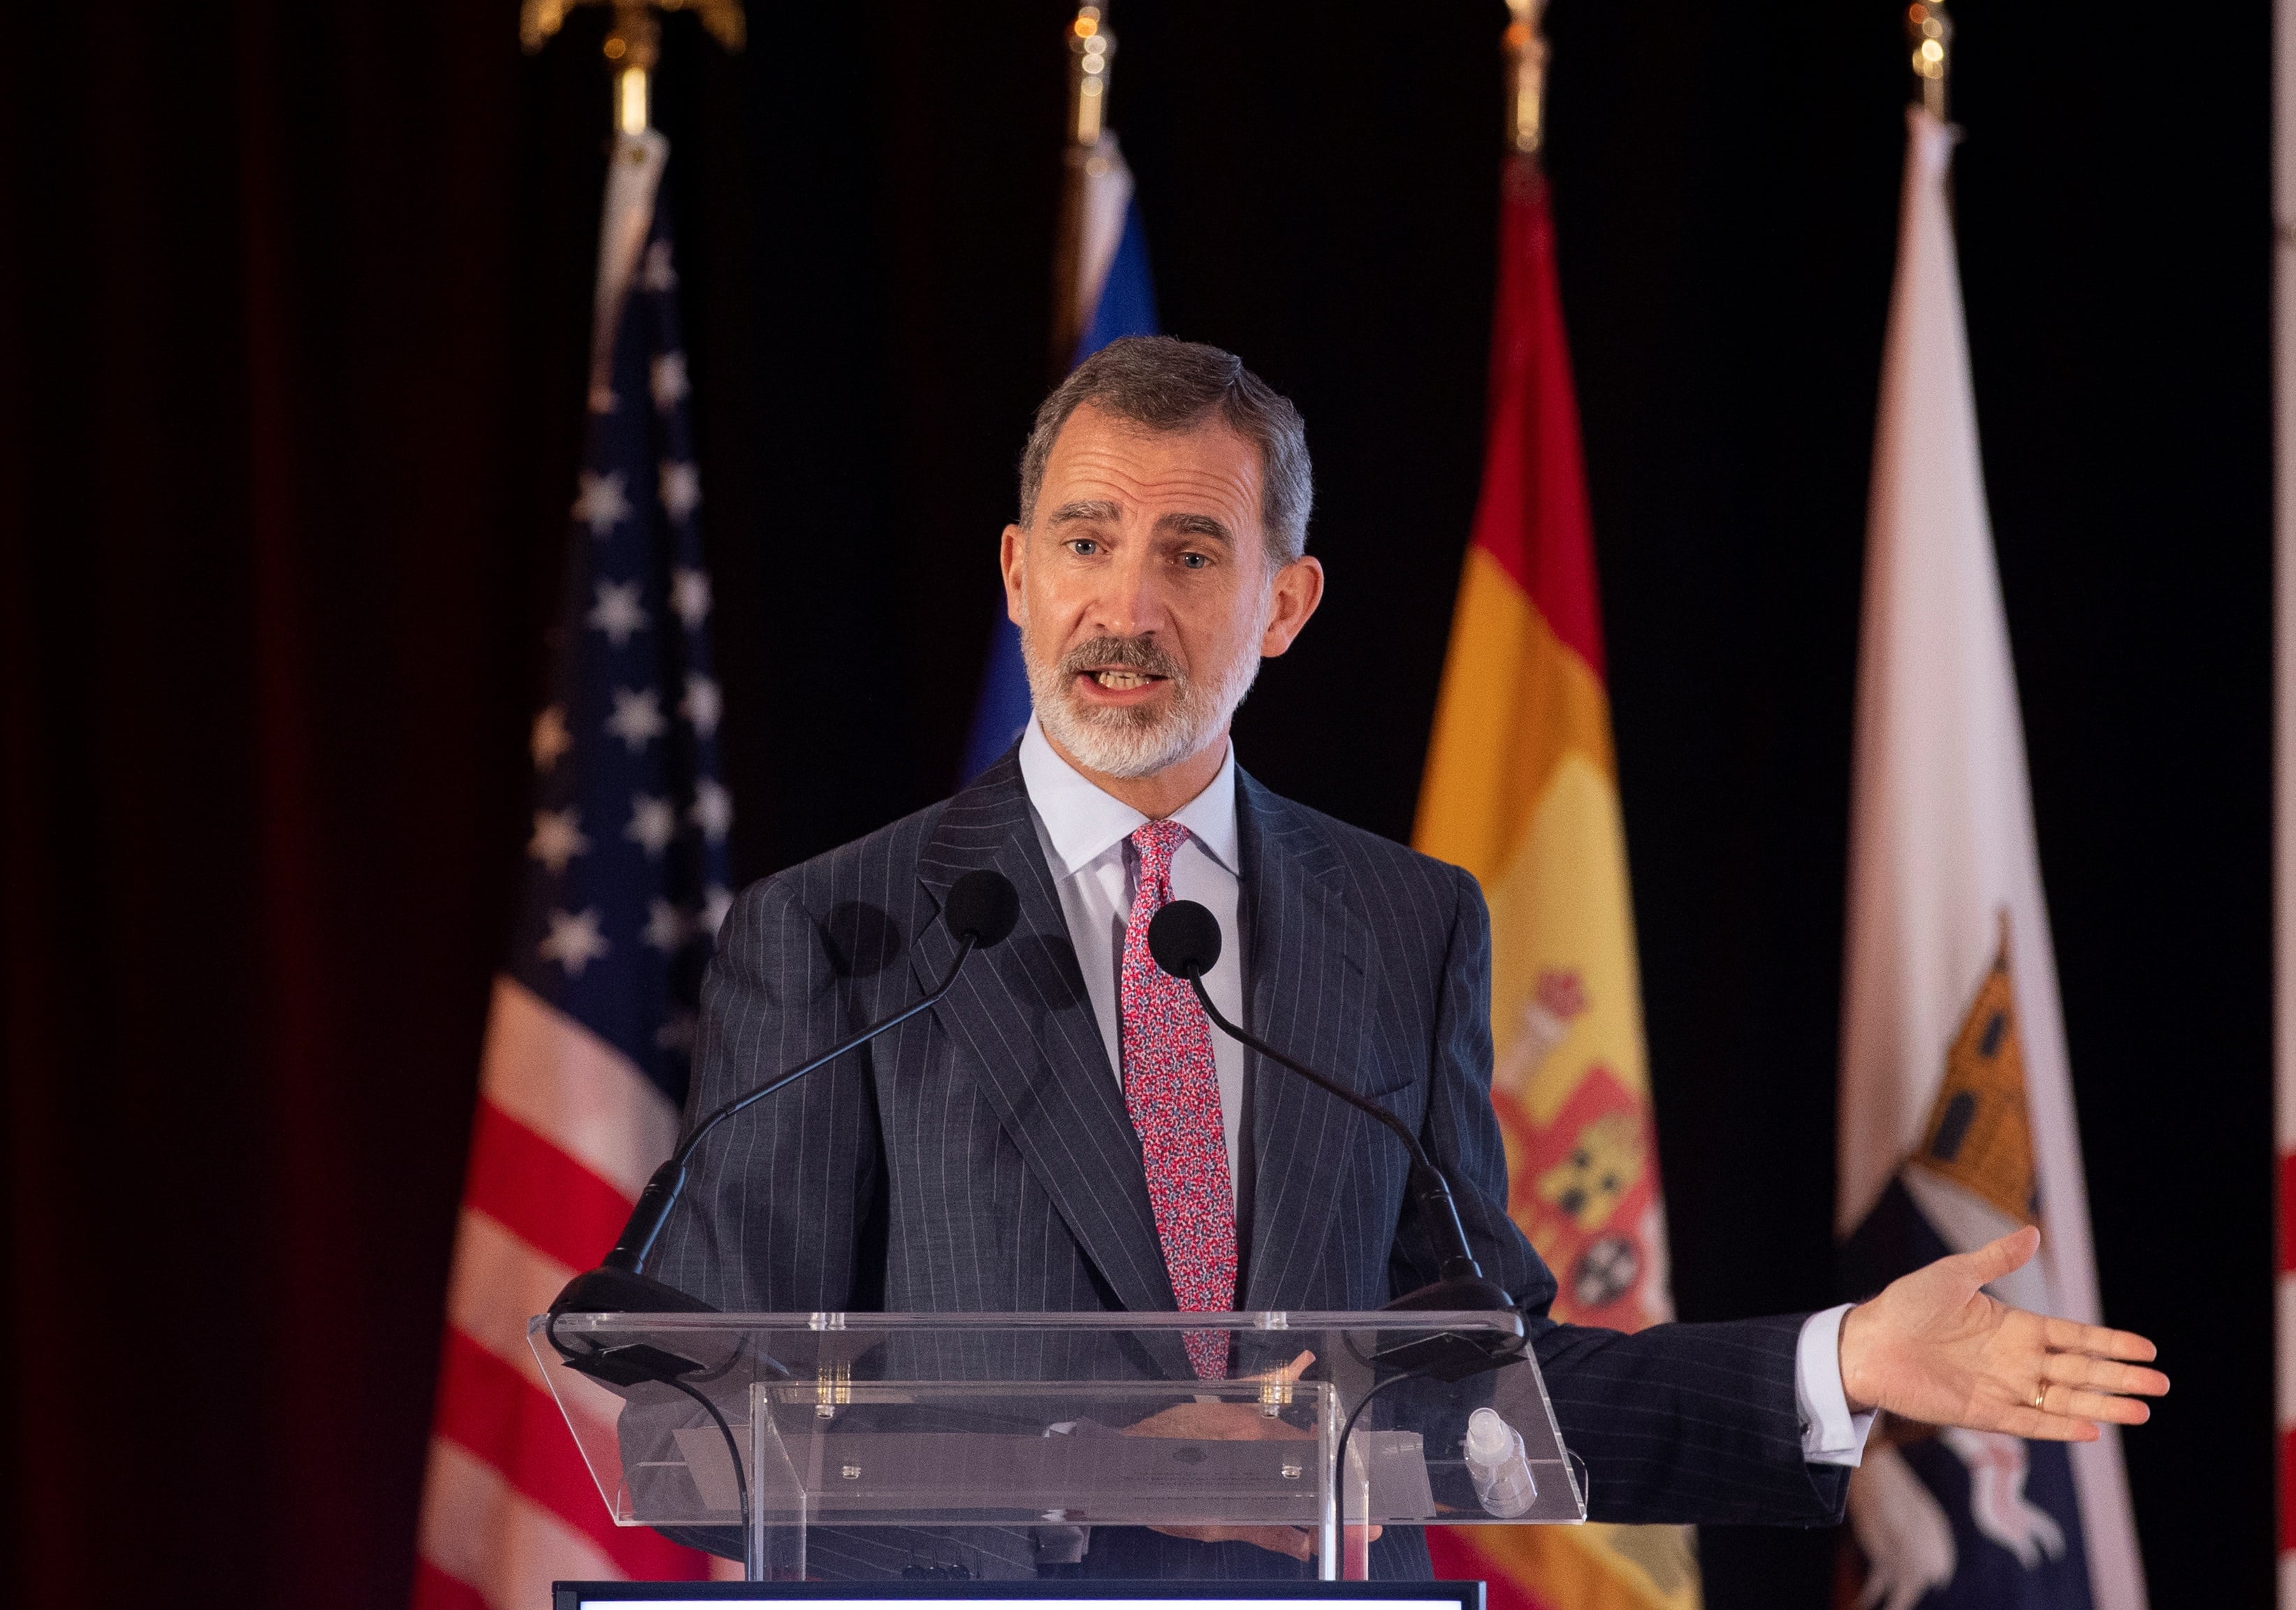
{"type": "Point", "coordinates": [981, 908]}
{"type": "Point", "coordinates": [1183, 937]}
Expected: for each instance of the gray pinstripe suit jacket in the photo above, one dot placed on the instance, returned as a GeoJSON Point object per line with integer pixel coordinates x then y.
{"type": "Point", "coordinates": [979, 1158]}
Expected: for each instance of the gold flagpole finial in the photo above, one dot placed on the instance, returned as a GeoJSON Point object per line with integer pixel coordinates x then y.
{"type": "Point", "coordinates": [1525, 70]}
{"type": "Point", "coordinates": [1929, 33]}
{"type": "Point", "coordinates": [634, 43]}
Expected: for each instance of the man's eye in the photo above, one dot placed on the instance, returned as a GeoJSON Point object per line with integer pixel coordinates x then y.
{"type": "Point", "coordinates": [1083, 548]}
{"type": "Point", "coordinates": [1195, 562]}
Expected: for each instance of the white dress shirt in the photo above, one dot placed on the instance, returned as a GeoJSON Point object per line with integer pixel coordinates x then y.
{"type": "Point", "coordinates": [1086, 838]}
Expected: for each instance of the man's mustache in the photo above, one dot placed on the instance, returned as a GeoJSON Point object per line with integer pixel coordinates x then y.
{"type": "Point", "coordinates": [1143, 654]}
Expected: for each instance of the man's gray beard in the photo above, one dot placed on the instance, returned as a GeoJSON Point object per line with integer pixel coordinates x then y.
{"type": "Point", "coordinates": [1135, 742]}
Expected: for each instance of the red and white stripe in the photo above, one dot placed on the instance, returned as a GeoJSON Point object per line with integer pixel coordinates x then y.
{"type": "Point", "coordinates": [566, 1133]}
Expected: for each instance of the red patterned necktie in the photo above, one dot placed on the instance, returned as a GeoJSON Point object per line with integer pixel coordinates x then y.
{"type": "Point", "coordinates": [1171, 1089]}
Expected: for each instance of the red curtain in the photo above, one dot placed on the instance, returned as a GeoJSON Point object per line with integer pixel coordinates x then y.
{"type": "Point", "coordinates": [293, 366]}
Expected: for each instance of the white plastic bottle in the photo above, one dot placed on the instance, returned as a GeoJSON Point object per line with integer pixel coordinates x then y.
{"type": "Point", "coordinates": [1500, 1466]}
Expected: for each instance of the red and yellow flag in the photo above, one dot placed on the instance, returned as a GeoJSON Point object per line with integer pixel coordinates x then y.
{"type": "Point", "coordinates": [1522, 791]}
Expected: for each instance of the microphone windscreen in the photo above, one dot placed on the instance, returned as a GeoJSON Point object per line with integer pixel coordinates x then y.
{"type": "Point", "coordinates": [982, 906]}
{"type": "Point", "coordinates": [1185, 939]}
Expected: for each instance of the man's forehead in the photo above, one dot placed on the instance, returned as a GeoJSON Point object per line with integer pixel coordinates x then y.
{"type": "Point", "coordinates": [1099, 459]}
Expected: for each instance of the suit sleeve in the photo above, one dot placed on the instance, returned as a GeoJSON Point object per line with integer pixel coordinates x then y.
{"type": "Point", "coordinates": [781, 1199]}
{"type": "Point", "coordinates": [1677, 1423]}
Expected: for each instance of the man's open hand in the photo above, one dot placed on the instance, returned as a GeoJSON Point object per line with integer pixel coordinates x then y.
{"type": "Point", "coordinates": [1231, 1422]}
{"type": "Point", "coordinates": [1933, 1347]}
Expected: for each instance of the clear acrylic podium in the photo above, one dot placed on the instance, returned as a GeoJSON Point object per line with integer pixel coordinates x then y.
{"type": "Point", "coordinates": [779, 1424]}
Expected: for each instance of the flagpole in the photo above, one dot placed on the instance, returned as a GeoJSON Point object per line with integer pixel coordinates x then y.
{"type": "Point", "coordinates": [633, 46]}
{"type": "Point", "coordinates": [1929, 34]}
{"type": "Point", "coordinates": [1092, 48]}
{"type": "Point", "coordinates": [1525, 49]}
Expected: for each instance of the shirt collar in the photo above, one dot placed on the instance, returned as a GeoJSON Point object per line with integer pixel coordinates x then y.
{"type": "Point", "coordinates": [1082, 821]}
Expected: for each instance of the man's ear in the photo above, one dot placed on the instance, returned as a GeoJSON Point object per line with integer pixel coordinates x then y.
{"type": "Point", "coordinates": [1013, 559]}
{"type": "Point", "coordinates": [1299, 589]}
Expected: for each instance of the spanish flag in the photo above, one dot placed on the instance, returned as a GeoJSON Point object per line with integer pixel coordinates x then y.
{"type": "Point", "coordinates": [1522, 790]}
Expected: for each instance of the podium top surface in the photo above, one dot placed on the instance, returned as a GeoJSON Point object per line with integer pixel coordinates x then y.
{"type": "Point", "coordinates": [1496, 1322]}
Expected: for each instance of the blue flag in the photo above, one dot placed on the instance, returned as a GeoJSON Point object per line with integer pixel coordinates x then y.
{"type": "Point", "coordinates": [1122, 301]}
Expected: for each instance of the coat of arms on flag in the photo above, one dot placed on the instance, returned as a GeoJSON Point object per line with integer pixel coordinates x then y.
{"type": "Point", "coordinates": [1923, 1501]}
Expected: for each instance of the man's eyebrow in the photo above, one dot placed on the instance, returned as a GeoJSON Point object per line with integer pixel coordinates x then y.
{"type": "Point", "coordinates": [1090, 508]}
{"type": "Point", "coordinates": [1197, 525]}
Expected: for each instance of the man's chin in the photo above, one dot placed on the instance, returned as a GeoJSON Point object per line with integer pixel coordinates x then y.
{"type": "Point", "coordinates": [1122, 742]}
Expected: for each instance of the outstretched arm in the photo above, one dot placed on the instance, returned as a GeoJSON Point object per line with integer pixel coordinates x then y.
{"type": "Point", "coordinates": [1935, 1348]}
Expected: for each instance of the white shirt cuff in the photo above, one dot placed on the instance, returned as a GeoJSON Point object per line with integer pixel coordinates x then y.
{"type": "Point", "coordinates": [1830, 1434]}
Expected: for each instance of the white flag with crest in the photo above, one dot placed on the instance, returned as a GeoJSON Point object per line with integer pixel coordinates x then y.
{"type": "Point", "coordinates": [1956, 1116]}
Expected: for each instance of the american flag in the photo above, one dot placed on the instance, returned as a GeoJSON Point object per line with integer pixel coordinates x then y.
{"type": "Point", "coordinates": [625, 880]}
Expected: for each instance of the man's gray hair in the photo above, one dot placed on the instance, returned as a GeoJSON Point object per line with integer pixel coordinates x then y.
{"type": "Point", "coordinates": [1161, 384]}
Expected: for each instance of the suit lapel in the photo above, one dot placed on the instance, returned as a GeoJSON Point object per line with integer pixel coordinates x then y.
{"type": "Point", "coordinates": [1307, 956]}
{"type": "Point", "coordinates": [1021, 1015]}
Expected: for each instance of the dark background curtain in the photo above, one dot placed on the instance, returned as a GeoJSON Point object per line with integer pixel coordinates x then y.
{"type": "Point", "coordinates": [296, 302]}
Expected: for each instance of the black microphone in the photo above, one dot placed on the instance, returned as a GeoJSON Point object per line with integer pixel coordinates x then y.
{"type": "Point", "coordinates": [1185, 940]}
{"type": "Point", "coordinates": [981, 909]}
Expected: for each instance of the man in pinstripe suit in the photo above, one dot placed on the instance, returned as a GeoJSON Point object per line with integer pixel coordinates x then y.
{"type": "Point", "coordinates": [999, 1154]}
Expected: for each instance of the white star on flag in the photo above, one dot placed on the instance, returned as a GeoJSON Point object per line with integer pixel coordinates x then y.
{"type": "Point", "coordinates": [573, 942]}
{"type": "Point", "coordinates": [715, 904]}
{"type": "Point", "coordinates": [689, 595]}
{"type": "Point", "coordinates": [713, 811]}
{"type": "Point", "coordinates": [551, 739]}
{"type": "Point", "coordinates": [603, 503]}
{"type": "Point", "coordinates": [558, 838]}
{"type": "Point", "coordinates": [656, 273]}
{"type": "Point", "coordinates": [637, 719]}
{"type": "Point", "coordinates": [680, 489]}
{"type": "Point", "coordinates": [670, 385]}
{"type": "Point", "coordinates": [618, 613]}
{"type": "Point", "coordinates": [653, 822]}
{"type": "Point", "coordinates": [667, 928]}
{"type": "Point", "coordinates": [702, 704]}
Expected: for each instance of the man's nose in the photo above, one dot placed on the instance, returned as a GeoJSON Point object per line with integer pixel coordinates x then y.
{"type": "Point", "coordinates": [1128, 603]}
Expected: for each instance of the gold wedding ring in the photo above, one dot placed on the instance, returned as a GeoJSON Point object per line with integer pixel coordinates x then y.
{"type": "Point", "coordinates": [2040, 1392]}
